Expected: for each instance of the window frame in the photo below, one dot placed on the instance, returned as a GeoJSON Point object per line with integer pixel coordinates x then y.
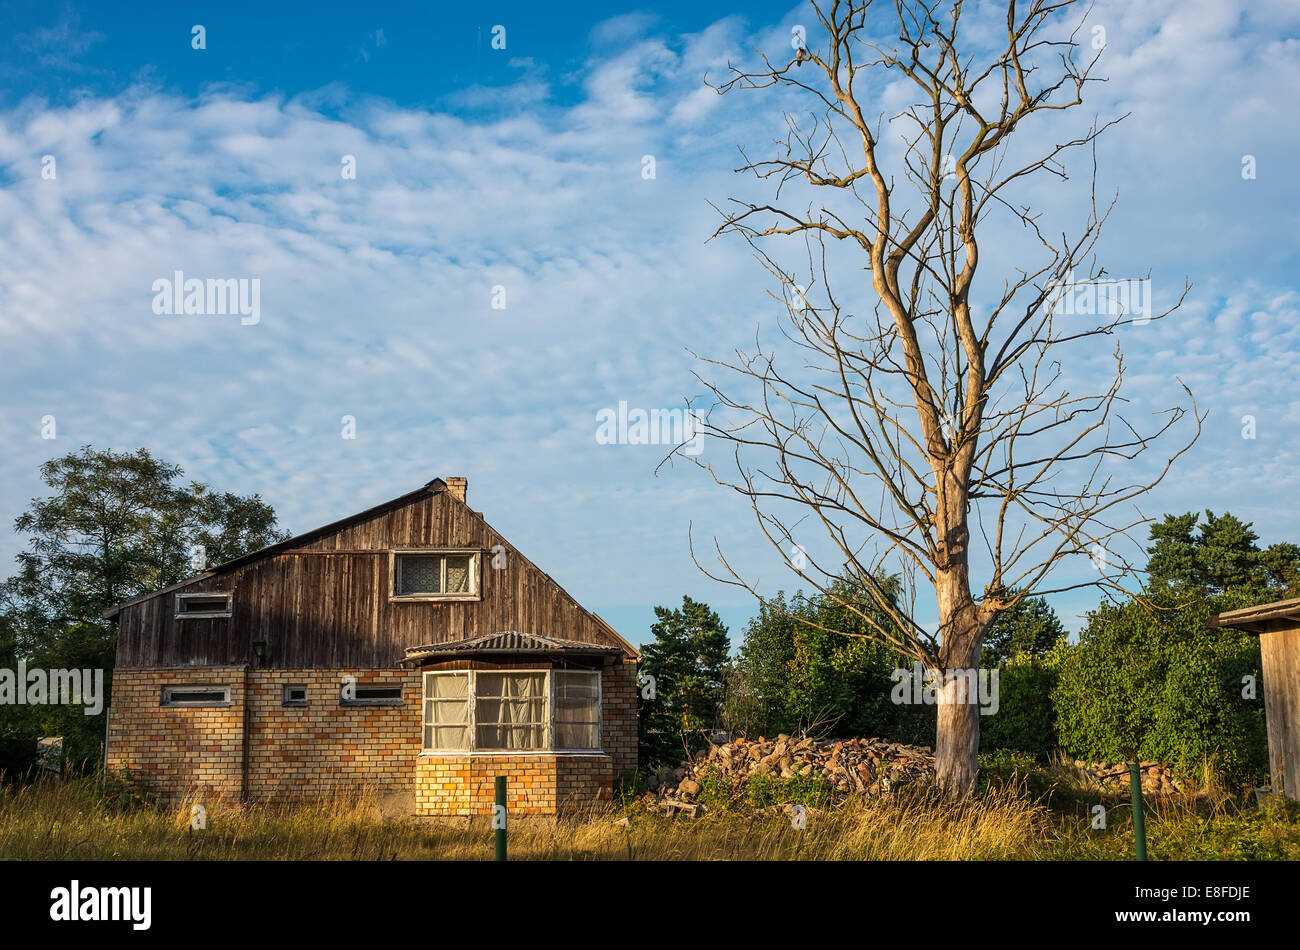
{"type": "Point", "coordinates": [475, 574]}
{"type": "Point", "coordinates": [166, 696]}
{"type": "Point", "coordinates": [600, 710]}
{"type": "Point", "coordinates": [469, 714]}
{"type": "Point", "coordinates": [471, 721]}
{"type": "Point", "coordinates": [288, 700]}
{"type": "Point", "coordinates": [204, 595]}
{"type": "Point", "coordinates": [358, 700]}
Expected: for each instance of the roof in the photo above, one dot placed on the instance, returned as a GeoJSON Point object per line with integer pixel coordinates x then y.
{"type": "Point", "coordinates": [434, 486]}
{"type": "Point", "coordinates": [1260, 618]}
{"type": "Point", "coordinates": [505, 642]}
{"type": "Point", "coordinates": [297, 540]}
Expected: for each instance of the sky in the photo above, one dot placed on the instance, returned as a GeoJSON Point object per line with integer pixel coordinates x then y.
{"type": "Point", "coordinates": [474, 229]}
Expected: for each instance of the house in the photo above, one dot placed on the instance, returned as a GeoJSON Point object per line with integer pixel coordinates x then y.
{"type": "Point", "coordinates": [409, 649]}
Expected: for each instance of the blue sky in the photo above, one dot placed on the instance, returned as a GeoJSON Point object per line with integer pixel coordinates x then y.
{"type": "Point", "coordinates": [521, 168]}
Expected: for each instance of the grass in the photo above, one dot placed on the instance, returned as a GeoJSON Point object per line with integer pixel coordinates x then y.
{"type": "Point", "coordinates": [1023, 814]}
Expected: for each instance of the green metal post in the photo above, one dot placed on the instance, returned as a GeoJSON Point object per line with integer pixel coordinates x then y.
{"type": "Point", "coordinates": [499, 817]}
{"type": "Point", "coordinates": [1139, 823]}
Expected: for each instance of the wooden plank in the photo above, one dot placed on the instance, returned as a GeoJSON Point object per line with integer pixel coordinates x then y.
{"type": "Point", "coordinates": [327, 606]}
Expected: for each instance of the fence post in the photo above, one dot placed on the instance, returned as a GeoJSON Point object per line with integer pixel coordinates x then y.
{"type": "Point", "coordinates": [499, 817]}
{"type": "Point", "coordinates": [1139, 823]}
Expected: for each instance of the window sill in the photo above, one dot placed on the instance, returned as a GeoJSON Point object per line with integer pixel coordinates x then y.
{"type": "Point", "coordinates": [431, 598]}
{"type": "Point", "coordinates": [427, 754]}
{"type": "Point", "coordinates": [351, 703]}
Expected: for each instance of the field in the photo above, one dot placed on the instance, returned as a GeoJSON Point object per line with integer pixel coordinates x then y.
{"type": "Point", "coordinates": [1034, 813]}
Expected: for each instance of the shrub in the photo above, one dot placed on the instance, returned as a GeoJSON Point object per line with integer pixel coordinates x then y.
{"type": "Point", "coordinates": [1155, 681]}
{"type": "Point", "coordinates": [1026, 717]}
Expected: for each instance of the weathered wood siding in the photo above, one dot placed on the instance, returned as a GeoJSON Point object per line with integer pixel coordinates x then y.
{"type": "Point", "coordinates": [325, 604]}
{"type": "Point", "coordinates": [1280, 652]}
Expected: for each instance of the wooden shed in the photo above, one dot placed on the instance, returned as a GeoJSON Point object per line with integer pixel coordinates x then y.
{"type": "Point", "coordinates": [1278, 627]}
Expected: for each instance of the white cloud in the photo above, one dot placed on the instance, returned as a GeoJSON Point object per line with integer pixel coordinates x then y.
{"type": "Point", "coordinates": [376, 292]}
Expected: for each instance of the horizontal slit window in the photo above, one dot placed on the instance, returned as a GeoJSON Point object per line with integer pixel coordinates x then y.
{"type": "Point", "coordinates": [203, 605]}
{"type": "Point", "coordinates": [375, 696]}
{"type": "Point", "coordinates": [196, 696]}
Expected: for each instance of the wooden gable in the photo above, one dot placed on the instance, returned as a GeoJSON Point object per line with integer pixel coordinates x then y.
{"type": "Point", "coordinates": [321, 600]}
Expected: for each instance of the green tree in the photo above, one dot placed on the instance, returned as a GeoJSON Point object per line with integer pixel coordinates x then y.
{"type": "Point", "coordinates": [1030, 626]}
{"type": "Point", "coordinates": [1217, 556]}
{"type": "Point", "coordinates": [798, 671]}
{"type": "Point", "coordinates": [116, 525]}
{"type": "Point", "coordinates": [17, 731]}
{"type": "Point", "coordinates": [688, 660]}
{"type": "Point", "coordinates": [758, 685]}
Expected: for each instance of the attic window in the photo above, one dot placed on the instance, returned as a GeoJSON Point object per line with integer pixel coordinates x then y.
{"type": "Point", "coordinates": [425, 574]}
{"type": "Point", "coordinates": [196, 696]}
{"type": "Point", "coordinates": [216, 604]}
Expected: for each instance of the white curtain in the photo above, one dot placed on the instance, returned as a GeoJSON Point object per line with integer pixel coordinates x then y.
{"type": "Point", "coordinates": [577, 710]}
{"type": "Point", "coordinates": [446, 711]}
{"type": "Point", "coordinates": [510, 710]}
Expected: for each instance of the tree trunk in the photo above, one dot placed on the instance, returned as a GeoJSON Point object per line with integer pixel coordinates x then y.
{"type": "Point", "coordinates": [957, 736]}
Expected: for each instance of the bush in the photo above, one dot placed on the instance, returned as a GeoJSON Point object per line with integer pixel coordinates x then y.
{"type": "Point", "coordinates": [1157, 682]}
{"type": "Point", "coordinates": [1026, 717]}
{"type": "Point", "coordinates": [721, 791]}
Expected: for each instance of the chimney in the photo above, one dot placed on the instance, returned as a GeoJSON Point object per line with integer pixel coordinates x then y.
{"type": "Point", "coordinates": [458, 487]}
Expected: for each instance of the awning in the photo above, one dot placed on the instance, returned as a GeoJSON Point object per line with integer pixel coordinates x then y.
{"type": "Point", "coordinates": [1263, 618]}
{"type": "Point", "coordinates": [506, 643]}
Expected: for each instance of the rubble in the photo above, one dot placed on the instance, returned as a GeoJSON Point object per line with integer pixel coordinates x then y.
{"type": "Point", "coordinates": [847, 767]}
{"type": "Point", "coordinates": [1155, 777]}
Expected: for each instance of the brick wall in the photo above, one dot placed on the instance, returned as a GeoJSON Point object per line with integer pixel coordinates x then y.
{"type": "Point", "coordinates": [177, 750]}
{"type": "Point", "coordinates": [535, 784]}
{"type": "Point", "coordinates": [618, 727]}
{"type": "Point", "coordinates": [274, 752]}
{"type": "Point", "coordinates": [326, 747]}
{"type": "Point", "coordinates": [582, 779]}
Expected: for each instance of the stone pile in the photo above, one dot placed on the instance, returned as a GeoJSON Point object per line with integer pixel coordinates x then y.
{"type": "Point", "coordinates": [1156, 778]}
{"type": "Point", "coordinates": [849, 766]}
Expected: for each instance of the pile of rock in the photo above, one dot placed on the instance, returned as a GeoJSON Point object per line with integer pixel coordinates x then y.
{"type": "Point", "coordinates": [848, 766]}
{"type": "Point", "coordinates": [1155, 777]}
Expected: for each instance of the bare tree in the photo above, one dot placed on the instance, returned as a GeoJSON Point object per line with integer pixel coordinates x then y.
{"type": "Point", "coordinates": [893, 430]}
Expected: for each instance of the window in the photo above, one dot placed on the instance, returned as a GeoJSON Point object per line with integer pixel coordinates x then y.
{"type": "Point", "coordinates": [446, 711]}
{"type": "Point", "coordinates": [196, 696]}
{"type": "Point", "coordinates": [203, 605]}
{"type": "Point", "coordinates": [294, 696]}
{"type": "Point", "coordinates": [512, 711]}
{"type": "Point", "coordinates": [434, 575]}
{"type": "Point", "coordinates": [375, 696]}
{"type": "Point", "coordinates": [577, 710]}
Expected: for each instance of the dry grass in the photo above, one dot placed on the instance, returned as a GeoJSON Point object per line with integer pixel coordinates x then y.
{"type": "Point", "coordinates": [77, 820]}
